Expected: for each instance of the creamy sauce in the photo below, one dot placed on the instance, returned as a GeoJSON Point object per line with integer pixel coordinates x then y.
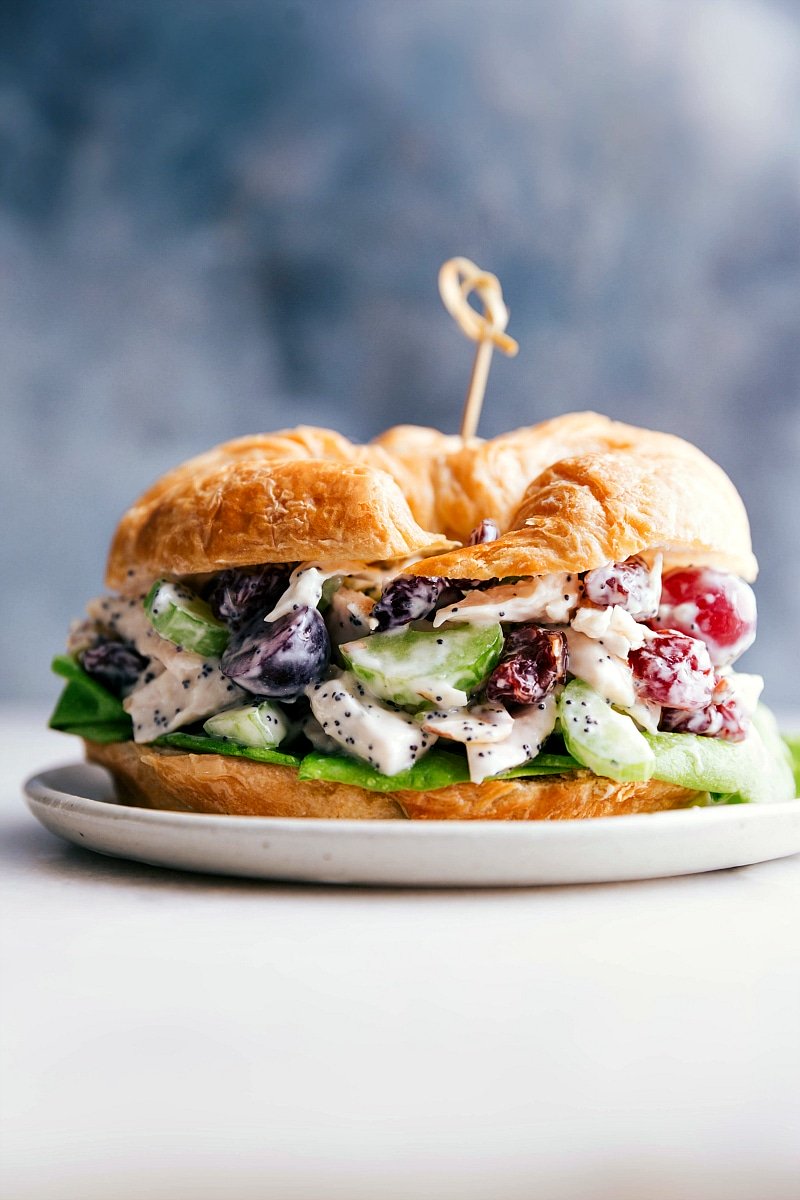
{"type": "Point", "coordinates": [613, 626]}
{"type": "Point", "coordinates": [609, 675]}
{"type": "Point", "coordinates": [548, 598]}
{"type": "Point", "coordinates": [348, 617]}
{"type": "Point", "coordinates": [178, 686]}
{"type": "Point", "coordinates": [388, 740]}
{"type": "Point", "coordinates": [530, 730]}
{"type": "Point", "coordinates": [481, 723]}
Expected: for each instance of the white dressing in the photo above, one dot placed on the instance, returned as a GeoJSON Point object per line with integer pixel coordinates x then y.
{"type": "Point", "coordinates": [612, 627]}
{"type": "Point", "coordinates": [609, 675]}
{"type": "Point", "coordinates": [306, 581]}
{"type": "Point", "coordinates": [645, 713]}
{"type": "Point", "coordinates": [548, 598]}
{"type": "Point", "coordinates": [169, 701]}
{"type": "Point", "coordinates": [304, 591]}
{"type": "Point", "coordinates": [746, 688]}
{"type": "Point", "coordinates": [347, 618]}
{"type": "Point", "coordinates": [178, 686]}
{"type": "Point", "coordinates": [530, 730]}
{"type": "Point", "coordinates": [481, 723]}
{"type": "Point", "coordinates": [390, 741]}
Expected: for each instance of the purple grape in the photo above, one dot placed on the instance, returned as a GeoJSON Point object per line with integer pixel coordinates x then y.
{"type": "Point", "coordinates": [239, 594]}
{"type": "Point", "coordinates": [534, 660]}
{"type": "Point", "coordinates": [117, 665]}
{"type": "Point", "coordinates": [487, 531]}
{"type": "Point", "coordinates": [407, 598]}
{"type": "Point", "coordinates": [279, 658]}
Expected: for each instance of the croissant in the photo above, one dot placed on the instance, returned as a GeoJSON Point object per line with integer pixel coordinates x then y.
{"type": "Point", "coordinates": [567, 497]}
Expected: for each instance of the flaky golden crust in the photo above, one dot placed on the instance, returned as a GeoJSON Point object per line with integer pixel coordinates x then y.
{"type": "Point", "coordinates": [488, 479]}
{"type": "Point", "coordinates": [212, 783]}
{"type": "Point", "coordinates": [242, 512]}
{"type": "Point", "coordinates": [311, 494]}
{"type": "Point", "coordinates": [564, 797]}
{"type": "Point", "coordinates": [603, 507]}
{"type": "Point", "coordinates": [413, 455]}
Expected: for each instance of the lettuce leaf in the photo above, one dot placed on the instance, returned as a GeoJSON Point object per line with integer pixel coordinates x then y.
{"type": "Point", "coordinates": [438, 769]}
{"type": "Point", "coordinates": [198, 743]}
{"type": "Point", "coordinates": [86, 708]}
{"type": "Point", "coordinates": [543, 764]}
{"type": "Point", "coordinates": [757, 769]}
{"type": "Point", "coordinates": [793, 742]}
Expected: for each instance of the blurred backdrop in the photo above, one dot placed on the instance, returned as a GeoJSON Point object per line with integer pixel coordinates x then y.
{"type": "Point", "coordinates": [222, 216]}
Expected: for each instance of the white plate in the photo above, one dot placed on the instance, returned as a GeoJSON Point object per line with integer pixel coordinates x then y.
{"type": "Point", "coordinates": [77, 802]}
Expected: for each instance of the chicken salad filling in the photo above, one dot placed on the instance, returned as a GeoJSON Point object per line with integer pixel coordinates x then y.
{"type": "Point", "coordinates": [599, 670]}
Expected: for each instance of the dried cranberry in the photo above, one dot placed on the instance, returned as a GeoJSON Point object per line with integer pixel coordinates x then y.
{"type": "Point", "coordinates": [712, 605]}
{"type": "Point", "coordinates": [630, 584]}
{"type": "Point", "coordinates": [673, 670]}
{"type": "Point", "coordinates": [534, 660]}
{"type": "Point", "coordinates": [723, 718]}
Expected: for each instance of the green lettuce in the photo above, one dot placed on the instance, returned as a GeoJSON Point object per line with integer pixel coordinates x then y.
{"type": "Point", "coordinates": [438, 769]}
{"type": "Point", "coordinates": [86, 708]}
{"type": "Point", "coordinates": [198, 743]}
{"type": "Point", "coordinates": [757, 769]}
{"type": "Point", "coordinates": [793, 744]}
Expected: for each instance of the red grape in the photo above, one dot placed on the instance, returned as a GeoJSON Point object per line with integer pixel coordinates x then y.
{"type": "Point", "coordinates": [239, 594]}
{"type": "Point", "coordinates": [674, 670]}
{"type": "Point", "coordinates": [117, 665]}
{"type": "Point", "coordinates": [534, 660]}
{"type": "Point", "coordinates": [723, 718]}
{"type": "Point", "coordinates": [279, 658]}
{"type": "Point", "coordinates": [407, 598]}
{"type": "Point", "coordinates": [714, 606]}
{"type": "Point", "coordinates": [630, 584]}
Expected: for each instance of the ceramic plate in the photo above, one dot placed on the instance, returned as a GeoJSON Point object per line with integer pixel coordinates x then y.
{"type": "Point", "coordinates": [77, 802]}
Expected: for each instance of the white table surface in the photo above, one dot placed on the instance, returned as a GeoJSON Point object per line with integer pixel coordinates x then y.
{"type": "Point", "coordinates": [170, 1035]}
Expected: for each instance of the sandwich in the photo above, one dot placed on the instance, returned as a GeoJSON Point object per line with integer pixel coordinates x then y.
{"type": "Point", "coordinates": [543, 625]}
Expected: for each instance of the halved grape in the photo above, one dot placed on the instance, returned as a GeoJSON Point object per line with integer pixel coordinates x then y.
{"type": "Point", "coordinates": [279, 658]}
{"type": "Point", "coordinates": [725, 717]}
{"type": "Point", "coordinates": [712, 605]}
{"type": "Point", "coordinates": [241, 593]}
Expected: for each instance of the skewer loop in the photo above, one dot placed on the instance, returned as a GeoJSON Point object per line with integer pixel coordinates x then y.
{"type": "Point", "coordinates": [458, 278]}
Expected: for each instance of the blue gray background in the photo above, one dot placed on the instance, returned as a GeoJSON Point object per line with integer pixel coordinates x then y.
{"type": "Point", "coordinates": [220, 217]}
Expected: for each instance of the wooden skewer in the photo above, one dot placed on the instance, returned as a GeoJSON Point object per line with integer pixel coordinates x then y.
{"type": "Point", "coordinates": [459, 277]}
